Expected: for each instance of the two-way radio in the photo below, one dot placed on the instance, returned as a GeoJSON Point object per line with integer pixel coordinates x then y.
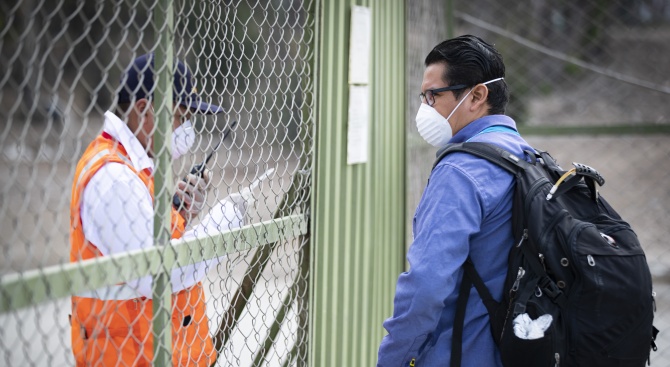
{"type": "Point", "coordinates": [198, 169]}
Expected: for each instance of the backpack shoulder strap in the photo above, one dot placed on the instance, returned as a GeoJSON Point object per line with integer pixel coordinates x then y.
{"type": "Point", "coordinates": [490, 152]}
{"type": "Point", "coordinates": [459, 320]}
{"type": "Point", "coordinates": [470, 278]}
{"type": "Point", "coordinates": [513, 165]}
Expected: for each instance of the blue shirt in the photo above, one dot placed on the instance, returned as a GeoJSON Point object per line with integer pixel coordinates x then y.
{"type": "Point", "coordinates": [465, 210]}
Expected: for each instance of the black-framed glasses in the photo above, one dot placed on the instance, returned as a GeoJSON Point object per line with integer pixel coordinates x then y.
{"type": "Point", "coordinates": [428, 97]}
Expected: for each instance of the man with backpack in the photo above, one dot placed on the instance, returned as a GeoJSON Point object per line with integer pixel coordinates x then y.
{"type": "Point", "coordinates": [515, 261]}
{"type": "Point", "coordinates": [466, 210]}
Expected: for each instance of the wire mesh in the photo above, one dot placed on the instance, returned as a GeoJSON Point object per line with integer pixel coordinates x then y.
{"type": "Point", "coordinates": [63, 61]}
{"type": "Point", "coordinates": [573, 65]}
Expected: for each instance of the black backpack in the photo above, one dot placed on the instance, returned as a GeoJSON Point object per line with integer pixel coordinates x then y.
{"type": "Point", "coordinates": [574, 259]}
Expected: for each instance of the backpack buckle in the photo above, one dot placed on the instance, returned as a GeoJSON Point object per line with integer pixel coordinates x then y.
{"type": "Point", "coordinates": [550, 288]}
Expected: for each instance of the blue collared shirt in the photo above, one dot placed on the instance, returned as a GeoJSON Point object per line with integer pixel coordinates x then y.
{"type": "Point", "coordinates": [465, 210]}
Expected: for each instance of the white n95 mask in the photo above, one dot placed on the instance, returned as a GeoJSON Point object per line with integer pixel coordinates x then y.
{"type": "Point", "coordinates": [435, 129]}
{"type": "Point", "coordinates": [183, 138]}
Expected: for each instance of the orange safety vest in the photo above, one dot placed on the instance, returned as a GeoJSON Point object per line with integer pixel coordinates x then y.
{"type": "Point", "coordinates": [112, 326]}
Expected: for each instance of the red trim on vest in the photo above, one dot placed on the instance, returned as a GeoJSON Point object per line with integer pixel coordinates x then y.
{"type": "Point", "coordinates": [148, 171]}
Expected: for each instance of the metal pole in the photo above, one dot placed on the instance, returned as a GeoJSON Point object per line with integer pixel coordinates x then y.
{"type": "Point", "coordinates": [163, 18]}
{"type": "Point", "coordinates": [449, 17]}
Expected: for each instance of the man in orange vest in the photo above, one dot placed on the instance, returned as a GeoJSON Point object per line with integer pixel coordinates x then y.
{"type": "Point", "coordinates": [112, 212]}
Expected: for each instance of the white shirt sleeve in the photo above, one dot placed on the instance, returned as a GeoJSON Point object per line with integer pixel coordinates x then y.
{"type": "Point", "coordinates": [117, 216]}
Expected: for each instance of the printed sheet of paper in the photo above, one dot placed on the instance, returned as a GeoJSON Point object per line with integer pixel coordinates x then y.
{"type": "Point", "coordinates": [359, 45]}
{"type": "Point", "coordinates": [358, 126]}
{"type": "Point", "coordinates": [359, 78]}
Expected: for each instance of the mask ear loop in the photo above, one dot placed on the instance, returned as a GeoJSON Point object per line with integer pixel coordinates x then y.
{"type": "Point", "coordinates": [459, 104]}
{"type": "Point", "coordinates": [466, 96]}
{"type": "Point", "coordinates": [484, 84]}
{"type": "Point", "coordinates": [493, 80]}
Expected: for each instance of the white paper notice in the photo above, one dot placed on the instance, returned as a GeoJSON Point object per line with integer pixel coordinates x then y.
{"type": "Point", "coordinates": [357, 129]}
{"type": "Point", "coordinates": [359, 45]}
{"type": "Point", "coordinates": [359, 77]}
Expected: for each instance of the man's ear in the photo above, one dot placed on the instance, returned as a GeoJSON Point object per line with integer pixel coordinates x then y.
{"type": "Point", "coordinates": [479, 97]}
{"type": "Point", "coordinates": [141, 106]}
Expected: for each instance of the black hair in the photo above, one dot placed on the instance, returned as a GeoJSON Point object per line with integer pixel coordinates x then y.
{"type": "Point", "coordinates": [470, 61]}
{"type": "Point", "coordinates": [122, 109]}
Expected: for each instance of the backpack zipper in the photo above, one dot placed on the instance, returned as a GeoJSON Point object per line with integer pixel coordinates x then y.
{"type": "Point", "coordinates": [541, 256]}
{"type": "Point", "coordinates": [519, 275]}
{"type": "Point", "coordinates": [524, 237]}
{"type": "Point", "coordinates": [590, 260]}
{"type": "Point", "coordinates": [512, 291]}
{"type": "Point", "coordinates": [653, 299]}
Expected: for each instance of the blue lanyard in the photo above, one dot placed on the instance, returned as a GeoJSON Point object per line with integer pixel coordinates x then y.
{"type": "Point", "coordinates": [495, 129]}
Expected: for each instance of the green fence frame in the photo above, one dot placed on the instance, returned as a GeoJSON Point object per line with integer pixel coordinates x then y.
{"type": "Point", "coordinates": [161, 288]}
{"type": "Point", "coordinates": [637, 129]}
{"type": "Point", "coordinates": [46, 284]}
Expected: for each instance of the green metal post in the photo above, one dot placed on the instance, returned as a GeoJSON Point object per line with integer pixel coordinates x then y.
{"type": "Point", "coordinates": [357, 222]}
{"type": "Point", "coordinates": [163, 18]}
{"type": "Point", "coordinates": [449, 17]}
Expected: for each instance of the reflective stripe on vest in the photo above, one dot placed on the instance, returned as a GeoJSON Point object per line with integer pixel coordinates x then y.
{"type": "Point", "coordinates": [125, 159]}
{"type": "Point", "coordinates": [120, 292]}
{"type": "Point", "coordinates": [96, 158]}
{"type": "Point", "coordinates": [91, 162]}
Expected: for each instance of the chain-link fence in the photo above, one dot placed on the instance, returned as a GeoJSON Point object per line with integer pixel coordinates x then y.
{"type": "Point", "coordinates": [590, 73]}
{"type": "Point", "coordinates": [589, 83]}
{"type": "Point", "coordinates": [64, 65]}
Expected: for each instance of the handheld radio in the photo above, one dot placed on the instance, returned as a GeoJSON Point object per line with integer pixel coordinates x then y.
{"type": "Point", "coordinates": [198, 169]}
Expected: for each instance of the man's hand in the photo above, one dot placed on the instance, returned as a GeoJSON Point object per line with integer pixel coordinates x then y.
{"type": "Point", "coordinates": [192, 191]}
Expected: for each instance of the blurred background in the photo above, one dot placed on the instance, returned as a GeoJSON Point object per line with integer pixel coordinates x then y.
{"type": "Point", "coordinates": [589, 81]}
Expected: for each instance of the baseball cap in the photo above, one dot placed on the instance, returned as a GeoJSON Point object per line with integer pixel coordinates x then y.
{"type": "Point", "coordinates": [137, 82]}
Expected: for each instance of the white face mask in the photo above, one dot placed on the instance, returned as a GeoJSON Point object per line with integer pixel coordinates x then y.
{"type": "Point", "coordinates": [183, 138]}
{"type": "Point", "coordinates": [435, 129]}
